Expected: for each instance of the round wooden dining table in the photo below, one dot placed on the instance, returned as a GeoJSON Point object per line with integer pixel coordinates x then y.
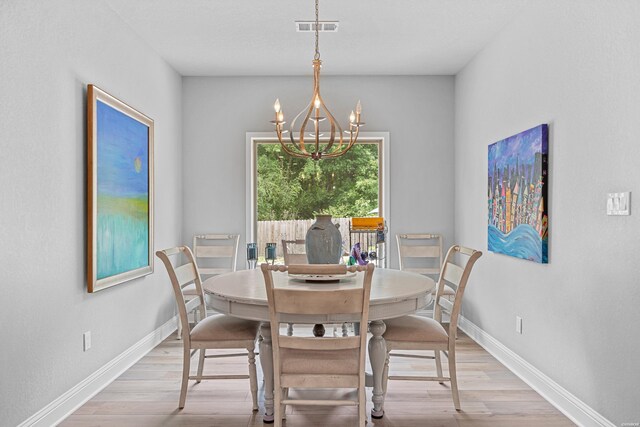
{"type": "Point", "coordinates": [394, 293]}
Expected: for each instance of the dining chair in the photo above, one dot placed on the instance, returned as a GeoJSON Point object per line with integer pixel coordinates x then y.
{"type": "Point", "coordinates": [211, 332]}
{"type": "Point", "coordinates": [215, 254]}
{"type": "Point", "coordinates": [422, 333]}
{"type": "Point", "coordinates": [310, 362]}
{"type": "Point", "coordinates": [294, 252]}
{"type": "Point", "coordinates": [422, 253]}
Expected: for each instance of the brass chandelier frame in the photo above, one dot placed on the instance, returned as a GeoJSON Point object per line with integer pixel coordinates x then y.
{"type": "Point", "coordinates": [336, 145]}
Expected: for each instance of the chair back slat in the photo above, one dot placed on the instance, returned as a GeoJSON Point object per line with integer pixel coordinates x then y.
{"type": "Point", "coordinates": [452, 273]}
{"type": "Point", "coordinates": [214, 251]}
{"type": "Point", "coordinates": [185, 274]}
{"type": "Point", "coordinates": [415, 236]}
{"type": "Point", "coordinates": [420, 251]}
{"type": "Point", "coordinates": [294, 301]}
{"type": "Point", "coordinates": [192, 304]}
{"type": "Point", "coordinates": [446, 305]}
{"type": "Point", "coordinates": [319, 344]}
{"type": "Point", "coordinates": [319, 269]}
{"type": "Point", "coordinates": [296, 259]}
{"type": "Point", "coordinates": [466, 251]}
{"type": "Point", "coordinates": [171, 251]}
{"type": "Point", "coordinates": [216, 236]}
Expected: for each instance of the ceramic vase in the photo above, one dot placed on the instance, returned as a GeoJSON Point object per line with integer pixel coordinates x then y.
{"type": "Point", "coordinates": [323, 242]}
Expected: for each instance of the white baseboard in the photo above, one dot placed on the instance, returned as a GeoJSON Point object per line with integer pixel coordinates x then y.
{"type": "Point", "coordinates": [575, 409]}
{"type": "Point", "coordinates": [63, 406]}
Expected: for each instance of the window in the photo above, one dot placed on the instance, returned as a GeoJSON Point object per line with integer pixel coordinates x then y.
{"type": "Point", "coordinates": [284, 193]}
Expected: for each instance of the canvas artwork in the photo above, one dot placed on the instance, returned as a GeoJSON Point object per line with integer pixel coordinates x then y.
{"type": "Point", "coordinates": [120, 191]}
{"type": "Point", "coordinates": [518, 221]}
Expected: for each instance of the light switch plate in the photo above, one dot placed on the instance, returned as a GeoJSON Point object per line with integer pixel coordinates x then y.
{"type": "Point", "coordinates": [619, 203]}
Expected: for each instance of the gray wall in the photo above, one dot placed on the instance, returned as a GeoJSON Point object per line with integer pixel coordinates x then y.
{"type": "Point", "coordinates": [574, 65]}
{"type": "Point", "coordinates": [417, 111]}
{"type": "Point", "coordinates": [50, 51]}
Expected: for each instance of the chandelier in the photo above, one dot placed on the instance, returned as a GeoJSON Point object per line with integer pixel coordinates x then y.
{"type": "Point", "coordinates": [337, 144]}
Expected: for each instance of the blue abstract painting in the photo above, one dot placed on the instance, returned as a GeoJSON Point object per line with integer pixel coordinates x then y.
{"type": "Point", "coordinates": [517, 196]}
{"type": "Point", "coordinates": [122, 231]}
{"type": "Point", "coordinates": [119, 191]}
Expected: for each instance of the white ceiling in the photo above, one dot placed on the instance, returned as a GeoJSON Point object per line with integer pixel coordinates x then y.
{"type": "Point", "coordinates": [258, 37]}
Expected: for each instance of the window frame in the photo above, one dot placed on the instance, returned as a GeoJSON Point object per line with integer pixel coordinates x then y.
{"type": "Point", "coordinates": [255, 138]}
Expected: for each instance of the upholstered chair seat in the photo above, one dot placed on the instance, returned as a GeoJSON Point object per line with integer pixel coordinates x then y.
{"type": "Point", "coordinates": [415, 328]}
{"type": "Point", "coordinates": [224, 328]}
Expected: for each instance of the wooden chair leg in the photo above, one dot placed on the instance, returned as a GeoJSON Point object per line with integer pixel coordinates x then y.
{"type": "Point", "coordinates": [385, 373]}
{"type": "Point", "coordinates": [253, 378]}
{"type": "Point", "coordinates": [186, 367]}
{"type": "Point", "coordinates": [200, 365]}
{"type": "Point", "coordinates": [454, 379]}
{"type": "Point", "coordinates": [277, 407]}
{"type": "Point", "coordinates": [362, 407]}
{"type": "Point", "coordinates": [438, 364]}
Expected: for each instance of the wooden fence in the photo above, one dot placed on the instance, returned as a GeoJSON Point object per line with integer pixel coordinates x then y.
{"type": "Point", "coordinates": [277, 231]}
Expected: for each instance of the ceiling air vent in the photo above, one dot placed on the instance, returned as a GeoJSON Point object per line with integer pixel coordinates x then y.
{"type": "Point", "coordinates": [323, 26]}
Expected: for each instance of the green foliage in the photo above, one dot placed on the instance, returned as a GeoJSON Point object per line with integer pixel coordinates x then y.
{"type": "Point", "coordinates": [292, 188]}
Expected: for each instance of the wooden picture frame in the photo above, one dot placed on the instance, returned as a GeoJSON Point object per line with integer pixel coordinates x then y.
{"type": "Point", "coordinates": [119, 191]}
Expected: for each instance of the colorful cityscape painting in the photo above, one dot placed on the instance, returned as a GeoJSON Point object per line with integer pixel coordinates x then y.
{"type": "Point", "coordinates": [121, 170]}
{"type": "Point", "coordinates": [517, 202]}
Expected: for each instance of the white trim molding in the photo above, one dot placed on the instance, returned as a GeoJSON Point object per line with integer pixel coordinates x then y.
{"type": "Point", "coordinates": [66, 404]}
{"type": "Point", "coordinates": [575, 409]}
{"type": "Point", "coordinates": [252, 138]}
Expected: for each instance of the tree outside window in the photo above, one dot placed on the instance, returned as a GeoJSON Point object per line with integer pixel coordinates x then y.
{"type": "Point", "coordinates": [291, 188]}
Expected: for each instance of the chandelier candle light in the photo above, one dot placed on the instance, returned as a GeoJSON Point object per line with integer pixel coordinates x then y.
{"type": "Point", "coordinates": [336, 145]}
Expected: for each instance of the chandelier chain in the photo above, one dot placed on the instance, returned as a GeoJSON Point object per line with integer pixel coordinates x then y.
{"type": "Point", "coordinates": [317, 55]}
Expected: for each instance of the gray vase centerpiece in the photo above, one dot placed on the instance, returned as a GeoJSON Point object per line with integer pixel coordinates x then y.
{"type": "Point", "coordinates": [323, 242]}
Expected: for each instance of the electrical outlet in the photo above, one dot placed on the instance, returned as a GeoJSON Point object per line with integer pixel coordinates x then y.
{"type": "Point", "coordinates": [519, 324]}
{"type": "Point", "coordinates": [86, 341]}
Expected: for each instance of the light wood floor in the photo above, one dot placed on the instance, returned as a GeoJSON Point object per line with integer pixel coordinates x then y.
{"type": "Point", "coordinates": [147, 395]}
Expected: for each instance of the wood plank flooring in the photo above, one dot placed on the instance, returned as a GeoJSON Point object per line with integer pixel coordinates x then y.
{"type": "Point", "coordinates": [147, 395]}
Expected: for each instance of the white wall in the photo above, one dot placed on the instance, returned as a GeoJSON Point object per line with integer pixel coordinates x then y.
{"type": "Point", "coordinates": [417, 111]}
{"type": "Point", "coordinates": [572, 64]}
{"type": "Point", "coordinates": [49, 52]}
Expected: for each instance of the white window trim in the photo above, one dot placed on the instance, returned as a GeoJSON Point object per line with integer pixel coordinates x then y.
{"type": "Point", "coordinates": [252, 139]}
